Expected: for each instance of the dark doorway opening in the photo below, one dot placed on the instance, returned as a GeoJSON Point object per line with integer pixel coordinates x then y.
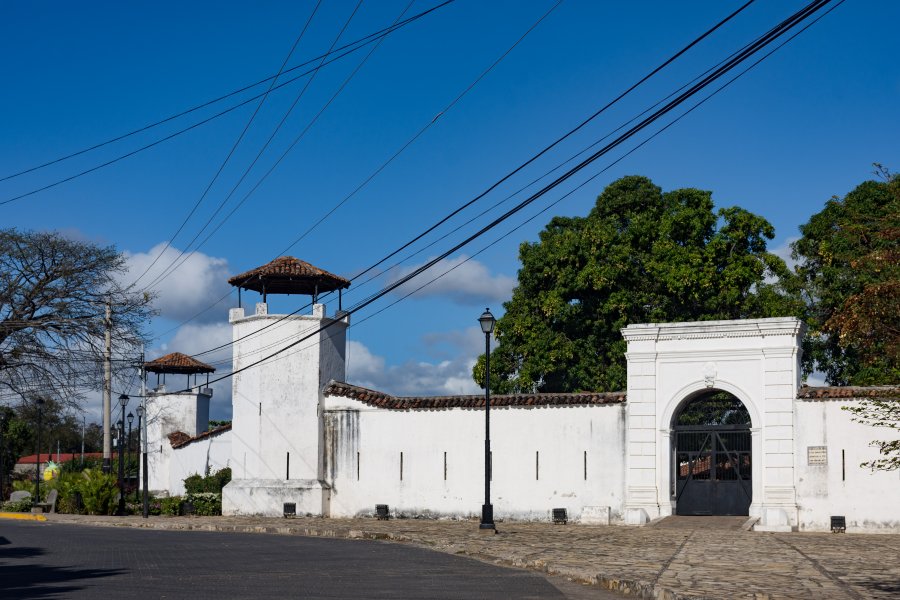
{"type": "Point", "coordinates": [713, 456]}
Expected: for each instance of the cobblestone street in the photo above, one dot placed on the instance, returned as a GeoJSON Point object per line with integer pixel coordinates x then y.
{"type": "Point", "coordinates": [676, 559]}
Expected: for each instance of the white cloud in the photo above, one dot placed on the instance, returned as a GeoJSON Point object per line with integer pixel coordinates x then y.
{"type": "Point", "coordinates": [413, 378]}
{"type": "Point", "coordinates": [784, 251]}
{"type": "Point", "coordinates": [198, 282]}
{"type": "Point", "coordinates": [469, 282]}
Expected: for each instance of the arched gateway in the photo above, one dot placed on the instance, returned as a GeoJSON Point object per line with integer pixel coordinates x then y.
{"type": "Point", "coordinates": [712, 450]}
{"type": "Point", "coordinates": [710, 424]}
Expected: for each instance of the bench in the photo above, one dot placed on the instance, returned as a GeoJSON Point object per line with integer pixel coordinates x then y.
{"type": "Point", "coordinates": [50, 504]}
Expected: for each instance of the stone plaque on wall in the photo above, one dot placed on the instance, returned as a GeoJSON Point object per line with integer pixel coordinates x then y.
{"type": "Point", "coordinates": [817, 455]}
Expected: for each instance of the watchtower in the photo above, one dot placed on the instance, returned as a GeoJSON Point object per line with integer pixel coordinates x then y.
{"type": "Point", "coordinates": [180, 412]}
{"type": "Point", "coordinates": [281, 363]}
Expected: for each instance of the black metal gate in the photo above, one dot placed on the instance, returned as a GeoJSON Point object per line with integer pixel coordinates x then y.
{"type": "Point", "coordinates": [711, 453]}
{"type": "Point", "coordinates": [712, 470]}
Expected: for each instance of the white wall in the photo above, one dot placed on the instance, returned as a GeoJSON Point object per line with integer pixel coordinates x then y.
{"type": "Point", "coordinates": [869, 500]}
{"type": "Point", "coordinates": [201, 457]}
{"type": "Point", "coordinates": [559, 437]}
{"type": "Point", "coordinates": [277, 437]}
{"type": "Point", "coordinates": [756, 360]}
{"type": "Point", "coordinates": [167, 413]}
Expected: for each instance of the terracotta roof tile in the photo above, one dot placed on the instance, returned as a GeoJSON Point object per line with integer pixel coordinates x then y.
{"type": "Point", "coordinates": [184, 441]}
{"type": "Point", "coordinates": [847, 392]}
{"type": "Point", "coordinates": [289, 275]}
{"type": "Point", "coordinates": [386, 401]}
{"type": "Point", "coordinates": [176, 362]}
{"type": "Point", "coordinates": [177, 438]}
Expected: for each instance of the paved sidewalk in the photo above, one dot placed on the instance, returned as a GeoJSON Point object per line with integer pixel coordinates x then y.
{"type": "Point", "coordinates": [686, 561]}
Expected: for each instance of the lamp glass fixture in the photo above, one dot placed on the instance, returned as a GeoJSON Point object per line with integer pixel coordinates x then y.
{"type": "Point", "coordinates": [130, 418]}
{"type": "Point", "coordinates": [140, 411]}
{"type": "Point", "coordinates": [123, 400]}
{"type": "Point", "coordinates": [487, 321]}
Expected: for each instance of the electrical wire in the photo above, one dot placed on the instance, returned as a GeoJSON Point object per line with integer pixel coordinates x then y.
{"type": "Point", "coordinates": [609, 104]}
{"type": "Point", "coordinates": [173, 266]}
{"type": "Point", "coordinates": [767, 39]}
{"type": "Point", "coordinates": [239, 139]}
{"type": "Point", "coordinates": [387, 32]}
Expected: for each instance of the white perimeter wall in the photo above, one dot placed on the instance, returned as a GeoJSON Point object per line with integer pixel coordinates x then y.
{"type": "Point", "coordinates": [168, 413]}
{"type": "Point", "coordinates": [538, 460]}
{"type": "Point", "coordinates": [869, 500]}
{"type": "Point", "coordinates": [201, 457]}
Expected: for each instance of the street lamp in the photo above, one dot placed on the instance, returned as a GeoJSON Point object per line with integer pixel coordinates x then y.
{"type": "Point", "coordinates": [3, 421]}
{"type": "Point", "coordinates": [140, 413]}
{"type": "Point", "coordinates": [37, 467]}
{"type": "Point", "coordinates": [128, 449]}
{"type": "Point", "coordinates": [123, 402]}
{"type": "Point", "coordinates": [487, 322]}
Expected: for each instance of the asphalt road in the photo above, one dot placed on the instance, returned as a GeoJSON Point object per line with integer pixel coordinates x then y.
{"type": "Point", "coordinates": [46, 560]}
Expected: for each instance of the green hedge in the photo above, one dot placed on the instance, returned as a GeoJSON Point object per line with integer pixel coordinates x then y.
{"type": "Point", "coordinates": [211, 484]}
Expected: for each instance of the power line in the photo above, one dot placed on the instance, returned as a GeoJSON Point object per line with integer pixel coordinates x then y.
{"type": "Point", "coordinates": [668, 61]}
{"type": "Point", "coordinates": [768, 38]}
{"type": "Point", "coordinates": [579, 186]}
{"type": "Point", "coordinates": [361, 42]}
{"type": "Point", "coordinates": [215, 116]}
{"type": "Point", "coordinates": [170, 268]}
{"type": "Point", "coordinates": [384, 165]}
{"type": "Point", "coordinates": [238, 141]}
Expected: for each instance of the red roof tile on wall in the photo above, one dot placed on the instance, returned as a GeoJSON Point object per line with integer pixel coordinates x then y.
{"type": "Point", "coordinates": [386, 401]}
{"type": "Point", "coordinates": [848, 392]}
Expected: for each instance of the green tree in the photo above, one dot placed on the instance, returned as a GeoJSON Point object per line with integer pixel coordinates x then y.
{"type": "Point", "coordinates": [849, 262]}
{"type": "Point", "coordinates": [641, 255]}
{"type": "Point", "coordinates": [52, 321]}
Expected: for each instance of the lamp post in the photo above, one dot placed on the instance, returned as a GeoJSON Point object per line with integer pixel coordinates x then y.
{"type": "Point", "coordinates": [128, 449]}
{"type": "Point", "coordinates": [140, 414]}
{"type": "Point", "coordinates": [487, 322]}
{"type": "Point", "coordinates": [3, 421]}
{"type": "Point", "coordinates": [37, 466]}
{"type": "Point", "coordinates": [123, 402]}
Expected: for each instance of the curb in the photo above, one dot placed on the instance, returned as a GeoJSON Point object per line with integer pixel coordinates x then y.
{"type": "Point", "coordinates": [22, 516]}
{"type": "Point", "coordinates": [631, 587]}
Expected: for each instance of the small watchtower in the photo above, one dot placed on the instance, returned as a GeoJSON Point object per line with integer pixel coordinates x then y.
{"type": "Point", "coordinates": [281, 364]}
{"type": "Point", "coordinates": [181, 410]}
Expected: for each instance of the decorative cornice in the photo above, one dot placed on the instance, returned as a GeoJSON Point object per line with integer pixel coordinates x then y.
{"type": "Point", "coordinates": [698, 330]}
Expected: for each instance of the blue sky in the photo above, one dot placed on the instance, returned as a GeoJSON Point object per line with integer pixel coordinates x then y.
{"type": "Point", "coordinates": [801, 127]}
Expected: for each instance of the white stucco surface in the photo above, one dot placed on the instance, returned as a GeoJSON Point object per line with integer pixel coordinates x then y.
{"type": "Point", "coordinates": [167, 413]}
{"type": "Point", "coordinates": [757, 361]}
{"type": "Point", "coordinates": [870, 500]}
{"type": "Point", "coordinates": [543, 458]}
{"type": "Point", "coordinates": [203, 456]}
{"type": "Point", "coordinates": [277, 447]}
{"type": "Point", "coordinates": [610, 461]}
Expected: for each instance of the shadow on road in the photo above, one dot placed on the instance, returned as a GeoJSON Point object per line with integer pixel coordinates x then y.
{"type": "Point", "coordinates": [18, 580]}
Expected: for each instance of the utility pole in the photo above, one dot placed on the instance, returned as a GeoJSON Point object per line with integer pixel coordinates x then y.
{"type": "Point", "coordinates": [144, 474]}
{"type": "Point", "coordinates": [107, 389]}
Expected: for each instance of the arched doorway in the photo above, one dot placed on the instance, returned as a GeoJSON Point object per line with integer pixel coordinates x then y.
{"type": "Point", "coordinates": [712, 450]}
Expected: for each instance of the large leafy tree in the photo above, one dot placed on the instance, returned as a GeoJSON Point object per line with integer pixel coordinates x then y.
{"type": "Point", "coordinates": [849, 259]}
{"type": "Point", "coordinates": [641, 255]}
{"type": "Point", "coordinates": [53, 292]}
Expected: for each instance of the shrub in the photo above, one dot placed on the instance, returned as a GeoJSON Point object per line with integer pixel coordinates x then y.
{"type": "Point", "coordinates": [211, 484]}
{"type": "Point", "coordinates": [98, 491]}
{"type": "Point", "coordinates": [205, 504]}
{"type": "Point", "coordinates": [67, 486]}
{"type": "Point", "coordinates": [16, 506]}
{"type": "Point", "coordinates": [170, 507]}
